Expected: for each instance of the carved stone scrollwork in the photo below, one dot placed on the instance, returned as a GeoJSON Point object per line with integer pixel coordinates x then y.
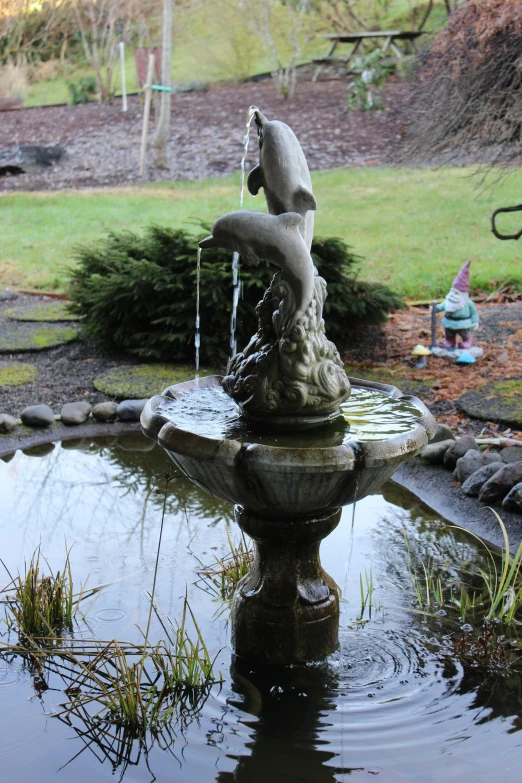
{"type": "Point", "coordinates": [289, 369]}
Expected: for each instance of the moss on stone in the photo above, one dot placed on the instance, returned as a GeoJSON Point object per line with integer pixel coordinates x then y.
{"type": "Point", "coordinates": [35, 338]}
{"type": "Point", "coordinates": [50, 312]}
{"type": "Point", "coordinates": [499, 402]}
{"type": "Point", "coordinates": [144, 380]}
{"type": "Point", "coordinates": [17, 374]}
{"type": "Point", "coordinates": [400, 377]}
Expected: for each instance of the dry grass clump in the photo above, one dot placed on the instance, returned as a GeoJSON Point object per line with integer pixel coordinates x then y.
{"type": "Point", "coordinates": [13, 80]}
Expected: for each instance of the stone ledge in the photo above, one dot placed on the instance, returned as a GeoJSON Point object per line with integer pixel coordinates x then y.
{"type": "Point", "coordinates": [433, 485]}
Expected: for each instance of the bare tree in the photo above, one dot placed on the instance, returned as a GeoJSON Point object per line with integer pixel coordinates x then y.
{"type": "Point", "coordinates": [102, 23]}
{"type": "Point", "coordinates": [272, 21]}
{"type": "Point", "coordinates": [161, 137]}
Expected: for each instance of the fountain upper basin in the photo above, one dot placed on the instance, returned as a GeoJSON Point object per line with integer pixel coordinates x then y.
{"type": "Point", "coordinates": [284, 475]}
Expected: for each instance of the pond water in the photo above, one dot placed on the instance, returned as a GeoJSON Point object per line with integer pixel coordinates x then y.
{"type": "Point", "coordinates": [391, 704]}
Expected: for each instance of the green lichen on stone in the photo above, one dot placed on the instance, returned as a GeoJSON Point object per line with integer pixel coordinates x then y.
{"type": "Point", "coordinates": [50, 312]}
{"type": "Point", "coordinates": [26, 337]}
{"type": "Point", "coordinates": [16, 374]}
{"type": "Point", "coordinates": [499, 402]}
{"type": "Point", "coordinates": [144, 380]}
{"type": "Point", "coordinates": [400, 377]}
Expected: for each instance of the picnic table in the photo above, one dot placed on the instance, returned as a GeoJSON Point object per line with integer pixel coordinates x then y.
{"type": "Point", "coordinates": [390, 38]}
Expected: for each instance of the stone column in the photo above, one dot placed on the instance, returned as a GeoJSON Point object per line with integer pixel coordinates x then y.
{"type": "Point", "coordinates": [286, 609]}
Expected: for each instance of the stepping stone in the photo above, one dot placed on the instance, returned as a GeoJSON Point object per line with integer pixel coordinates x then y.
{"type": "Point", "coordinates": [143, 380]}
{"type": "Point", "coordinates": [37, 416]}
{"type": "Point", "coordinates": [16, 374]}
{"type": "Point", "coordinates": [43, 311]}
{"type": "Point", "coordinates": [500, 402]}
{"type": "Point", "coordinates": [25, 337]}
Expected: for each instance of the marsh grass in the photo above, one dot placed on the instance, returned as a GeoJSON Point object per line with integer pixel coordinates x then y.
{"type": "Point", "coordinates": [221, 578]}
{"type": "Point", "coordinates": [41, 604]}
{"type": "Point", "coordinates": [118, 693]}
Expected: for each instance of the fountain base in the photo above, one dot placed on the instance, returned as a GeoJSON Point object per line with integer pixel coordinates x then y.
{"type": "Point", "coordinates": [286, 609]}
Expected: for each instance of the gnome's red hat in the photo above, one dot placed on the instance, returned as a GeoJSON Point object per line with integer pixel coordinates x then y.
{"type": "Point", "coordinates": [461, 282]}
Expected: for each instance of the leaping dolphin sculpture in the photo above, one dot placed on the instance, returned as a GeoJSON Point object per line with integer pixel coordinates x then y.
{"type": "Point", "coordinates": [283, 174]}
{"type": "Point", "coordinates": [275, 238]}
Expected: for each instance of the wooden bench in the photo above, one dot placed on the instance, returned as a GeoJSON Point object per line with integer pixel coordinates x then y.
{"type": "Point", "coordinates": [389, 38]}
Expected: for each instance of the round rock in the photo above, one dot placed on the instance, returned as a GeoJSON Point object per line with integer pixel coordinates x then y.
{"type": "Point", "coordinates": [104, 411]}
{"type": "Point", "coordinates": [442, 434]}
{"type": "Point", "coordinates": [434, 453]}
{"type": "Point", "coordinates": [476, 481]}
{"type": "Point", "coordinates": [472, 461]}
{"type": "Point", "coordinates": [498, 486]}
{"type": "Point", "coordinates": [37, 416]}
{"type": "Point", "coordinates": [458, 449]}
{"type": "Point", "coordinates": [513, 500]}
{"type": "Point", "coordinates": [7, 423]}
{"type": "Point", "coordinates": [74, 413]}
{"type": "Point", "coordinates": [512, 454]}
{"type": "Point", "coordinates": [130, 410]}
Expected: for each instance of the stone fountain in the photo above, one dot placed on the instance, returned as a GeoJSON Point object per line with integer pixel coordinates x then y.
{"type": "Point", "coordinates": [285, 435]}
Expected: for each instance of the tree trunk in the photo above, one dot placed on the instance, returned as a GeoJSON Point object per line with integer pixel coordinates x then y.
{"type": "Point", "coordinates": [161, 137]}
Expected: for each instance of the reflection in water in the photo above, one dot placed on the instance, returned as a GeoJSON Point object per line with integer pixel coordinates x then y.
{"type": "Point", "coordinates": [391, 702]}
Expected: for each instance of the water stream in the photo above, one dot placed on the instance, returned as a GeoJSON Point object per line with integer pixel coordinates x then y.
{"type": "Point", "coordinates": [236, 281]}
{"type": "Point", "coordinates": [197, 338]}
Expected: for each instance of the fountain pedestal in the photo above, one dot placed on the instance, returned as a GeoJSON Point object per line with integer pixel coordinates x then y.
{"type": "Point", "coordinates": [286, 609]}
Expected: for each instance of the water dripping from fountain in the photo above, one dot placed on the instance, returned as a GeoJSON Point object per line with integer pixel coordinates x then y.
{"type": "Point", "coordinates": [236, 282]}
{"type": "Point", "coordinates": [197, 338]}
{"type": "Point", "coordinates": [350, 548]}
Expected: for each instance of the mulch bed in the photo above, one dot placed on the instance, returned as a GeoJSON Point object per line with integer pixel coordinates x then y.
{"type": "Point", "coordinates": [443, 381]}
{"type": "Point", "coordinates": [103, 144]}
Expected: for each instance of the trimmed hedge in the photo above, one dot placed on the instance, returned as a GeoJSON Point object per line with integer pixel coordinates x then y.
{"type": "Point", "coordinates": [138, 293]}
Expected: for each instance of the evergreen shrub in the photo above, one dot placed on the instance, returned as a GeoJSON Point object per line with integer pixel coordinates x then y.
{"type": "Point", "coordinates": [137, 293]}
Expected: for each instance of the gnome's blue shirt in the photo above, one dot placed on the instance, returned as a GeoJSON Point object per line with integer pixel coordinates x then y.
{"type": "Point", "coordinates": [464, 318]}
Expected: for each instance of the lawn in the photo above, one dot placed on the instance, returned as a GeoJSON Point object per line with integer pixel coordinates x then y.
{"type": "Point", "coordinates": [413, 227]}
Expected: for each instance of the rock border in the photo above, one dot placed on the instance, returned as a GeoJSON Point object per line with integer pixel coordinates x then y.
{"type": "Point", "coordinates": [10, 444]}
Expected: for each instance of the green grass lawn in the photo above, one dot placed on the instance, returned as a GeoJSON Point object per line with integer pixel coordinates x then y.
{"type": "Point", "coordinates": [413, 227]}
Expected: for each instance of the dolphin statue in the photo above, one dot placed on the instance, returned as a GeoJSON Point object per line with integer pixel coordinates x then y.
{"type": "Point", "coordinates": [275, 238]}
{"type": "Point", "coordinates": [283, 174]}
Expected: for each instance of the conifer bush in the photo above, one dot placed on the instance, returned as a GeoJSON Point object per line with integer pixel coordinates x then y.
{"type": "Point", "coordinates": [137, 293]}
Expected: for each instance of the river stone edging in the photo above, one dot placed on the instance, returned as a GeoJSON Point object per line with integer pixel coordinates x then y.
{"type": "Point", "coordinates": [8, 445]}
{"type": "Point", "coordinates": [434, 486]}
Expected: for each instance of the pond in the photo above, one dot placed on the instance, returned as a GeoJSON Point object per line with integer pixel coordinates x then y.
{"type": "Point", "coordinates": [394, 702]}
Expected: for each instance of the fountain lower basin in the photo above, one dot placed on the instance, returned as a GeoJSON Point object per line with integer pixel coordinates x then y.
{"type": "Point", "coordinates": [288, 490]}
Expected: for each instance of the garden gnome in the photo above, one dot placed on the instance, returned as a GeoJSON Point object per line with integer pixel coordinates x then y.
{"type": "Point", "coordinates": [460, 314]}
